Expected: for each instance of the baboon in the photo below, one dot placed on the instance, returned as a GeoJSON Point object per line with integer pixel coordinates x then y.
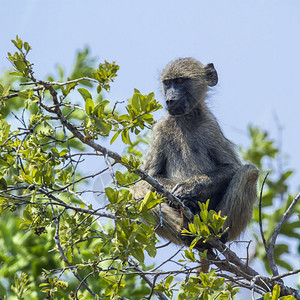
{"type": "Point", "coordinates": [190, 156]}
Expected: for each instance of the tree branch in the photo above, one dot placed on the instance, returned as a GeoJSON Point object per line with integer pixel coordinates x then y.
{"type": "Point", "coordinates": [118, 159]}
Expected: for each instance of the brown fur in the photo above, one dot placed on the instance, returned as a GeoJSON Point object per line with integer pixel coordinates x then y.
{"type": "Point", "coordinates": [190, 156]}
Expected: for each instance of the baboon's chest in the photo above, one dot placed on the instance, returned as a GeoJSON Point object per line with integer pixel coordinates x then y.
{"type": "Point", "coordinates": [187, 155]}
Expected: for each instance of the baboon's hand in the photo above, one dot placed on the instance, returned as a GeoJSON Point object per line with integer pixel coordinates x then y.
{"type": "Point", "coordinates": [192, 187]}
{"type": "Point", "coordinates": [189, 201]}
{"type": "Point", "coordinates": [192, 204]}
{"type": "Point", "coordinates": [184, 190]}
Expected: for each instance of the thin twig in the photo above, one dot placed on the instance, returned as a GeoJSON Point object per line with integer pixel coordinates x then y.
{"type": "Point", "coordinates": [75, 208]}
{"type": "Point", "coordinates": [115, 105]}
{"type": "Point", "coordinates": [9, 96]}
{"type": "Point", "coordinates": [147, 280]}
{"type": "Point", "coordinates": [170, 258]}
{"type": "Point", "coordinates": [57, 242]}
{"type": "Point", "coordinates": [286, 274]}
{"type": "Point", "coordinates": [164, 245]}
{"type": "Point", "coordinates": [270, 250]}
{"type": "Point", "coordinates": [259, 210]}
{"type": "Point", "coordinates": [283, 219]}
{"type": "Point", "coordinates": [60, 83]}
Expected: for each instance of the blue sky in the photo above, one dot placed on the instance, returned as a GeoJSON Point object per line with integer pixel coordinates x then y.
{"type": "Point", "coordinates": [254, 45]}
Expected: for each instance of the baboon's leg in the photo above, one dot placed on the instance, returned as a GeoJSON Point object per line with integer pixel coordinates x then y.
{"type": "Point", "coordinates": [239, 199]}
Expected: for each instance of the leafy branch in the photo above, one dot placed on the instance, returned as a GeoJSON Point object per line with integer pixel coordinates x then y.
{"type": "Point", "coordinates": [39, 173]}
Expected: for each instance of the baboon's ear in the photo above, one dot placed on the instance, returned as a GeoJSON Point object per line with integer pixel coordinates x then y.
{"type": "Point", "coordinates": [211, 74]}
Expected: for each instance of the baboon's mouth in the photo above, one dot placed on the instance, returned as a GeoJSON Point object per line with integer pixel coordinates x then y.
{"type": "Point", "coordinates": [176, 110]}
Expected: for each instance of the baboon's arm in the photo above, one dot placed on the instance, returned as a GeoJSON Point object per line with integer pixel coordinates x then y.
{"type": "Point", "coordinates": [206, 186]}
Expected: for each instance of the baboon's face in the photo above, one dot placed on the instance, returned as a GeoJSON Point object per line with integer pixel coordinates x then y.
{"type": "Point", "coordinates": [181, 95]}
{"type": "Point", "coordinates": [184, 84]}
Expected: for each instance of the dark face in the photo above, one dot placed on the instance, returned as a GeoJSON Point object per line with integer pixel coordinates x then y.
{"type": "Point", "coordinates": [178, 98]}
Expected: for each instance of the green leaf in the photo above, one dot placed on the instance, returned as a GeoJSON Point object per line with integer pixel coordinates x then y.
{"type": "Point", "coordinates": [192, 228]}
{"type": "Point", "coordinates": [20, 65]}
{"type": "Point", "coordinates": [189, 255]}
{"type": "Point", "coordinates": [3, 184]}
{"type": "Point", "coordinates": [142, 207]}
{"type": "Point", "coordinates": [104, 127]}
{"type": "Point", "coordinates": [151, 250]}
{"type": "Point", "coordinates": [276, 292]}
{"type": "Point", "coordinates": [136, 102]}
{"type": "Point", "coordinates": [120, 178]}
{"type": "Point", "coordinates": [154, 202]}
{"type": "Point", "coordinates": [4, 91]}
{"type": "Point", "coordinates": [197, 223]}
{"type": "Point", "coordinates": [159, 288]}
{"type": "Point", "coordinates": [99, 89]}
{"type": "Point", "coordinates": [168, 281]}
{"type": "Point", "coordinates": [89, 106]}
{"type": "Point", "coordinates": [123, 118]}
{"type": "Point", "coordinates": [23, 95]}
{"type": "Point", "coordinates": [63, 152]}
{"type": "Point", "coordinates": [194, 242]}
{"type": "Point", "coordinates": [16, 74]}
{"type": "Point", "coordinates": [27, 213]}
{"type": "Point", "coordinates": [149, 218]}
{"type": "Point", "coordinates": [4, 130]}
{"type": "Point", "coordinates": [204, 216]}
{"type": "Point", "coordinates": [115, 136]}
{"type": "Point", "coordinates": [18, 43]}
{"type": "Point", "coordinates": [112, 195]}
{"type": "Point", "coordinates": [27, 47]}
{"type": "Point", "coordinates": [84, 93]}
{"type": "Point", "coordinates": [284, 264]}
{"type": "Point", "coordinates": [138, 254]}
{"type": "Point", "coordinates": [125, 137]}
{"type": "Point", "coordinates": [141, 238]}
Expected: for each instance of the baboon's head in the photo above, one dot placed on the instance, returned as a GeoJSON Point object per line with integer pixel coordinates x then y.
{"type": "Point", "coordinates": [184, 84]}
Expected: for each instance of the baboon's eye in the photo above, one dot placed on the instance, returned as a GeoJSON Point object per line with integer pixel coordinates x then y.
{"type": "Point", "coordinates": [179, 80]}
{"type": "Point", "coordinates": [167, 82]}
